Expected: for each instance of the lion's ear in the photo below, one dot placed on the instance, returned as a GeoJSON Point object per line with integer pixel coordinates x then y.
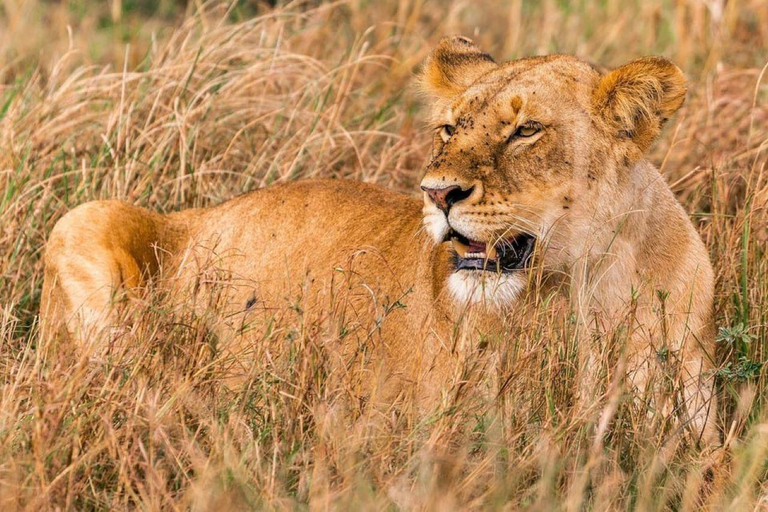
{"type": "Point", "coordinates": [453, 66]}
{"type": "Point", "coordinates": [638, 98]}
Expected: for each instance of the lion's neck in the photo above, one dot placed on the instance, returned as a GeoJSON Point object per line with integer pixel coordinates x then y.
{"type": "Point", "coordinates": [637, 228]}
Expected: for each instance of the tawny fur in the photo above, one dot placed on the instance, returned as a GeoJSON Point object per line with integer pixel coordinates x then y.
{"type": "Point", "coordinates": [605, 220]}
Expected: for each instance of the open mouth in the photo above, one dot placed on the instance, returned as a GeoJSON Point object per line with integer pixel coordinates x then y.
{"type": "Point", "coordinates": [505, 256]}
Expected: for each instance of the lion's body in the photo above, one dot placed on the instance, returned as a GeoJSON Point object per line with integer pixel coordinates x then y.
{"type": "Point", "coordinates": [605, 223]}
{"type": "Point", "coordinates": [262, 251]}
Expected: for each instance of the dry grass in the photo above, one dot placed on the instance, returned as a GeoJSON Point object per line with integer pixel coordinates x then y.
{"type": "Point", "coordinates": [191, 105]}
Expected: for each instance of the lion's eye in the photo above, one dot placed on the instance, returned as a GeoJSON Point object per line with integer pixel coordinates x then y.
{"type": "Point", "coordinates": [446, 131]}
{"type": "Point", "coordinates": [527, 130]}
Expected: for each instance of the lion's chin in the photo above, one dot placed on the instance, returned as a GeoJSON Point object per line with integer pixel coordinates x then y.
{"type": "Point", "coordinates": [481, 287]}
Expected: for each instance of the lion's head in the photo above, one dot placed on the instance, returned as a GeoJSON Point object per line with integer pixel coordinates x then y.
{"type": "Point", "coordinates": [530, 154]}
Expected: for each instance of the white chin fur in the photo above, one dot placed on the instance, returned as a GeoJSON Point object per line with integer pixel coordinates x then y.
{"type": "Point", "coordinates": [473, 287]}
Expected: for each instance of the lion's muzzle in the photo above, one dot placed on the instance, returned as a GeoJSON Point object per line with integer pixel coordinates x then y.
{"type": "Point", "coordinates": [506, 255]}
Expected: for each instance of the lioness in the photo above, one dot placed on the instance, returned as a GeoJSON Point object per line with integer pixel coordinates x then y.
{"type": "Point", "coordinates": [537, 163]}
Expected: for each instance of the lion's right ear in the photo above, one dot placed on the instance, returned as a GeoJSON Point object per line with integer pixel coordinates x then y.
{"type": "Point", "coordinates": [453, 66]}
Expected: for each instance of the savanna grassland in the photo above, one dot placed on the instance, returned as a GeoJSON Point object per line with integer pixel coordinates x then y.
{"type": "Point", "coordinates": [179, 104]}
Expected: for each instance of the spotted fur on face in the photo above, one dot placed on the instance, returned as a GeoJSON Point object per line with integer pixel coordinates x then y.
{"type": "Point", "coordinates": [533, 142]}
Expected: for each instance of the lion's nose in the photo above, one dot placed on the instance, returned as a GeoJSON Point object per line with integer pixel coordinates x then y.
{"type": "Point", "coordinates": [446, 197]}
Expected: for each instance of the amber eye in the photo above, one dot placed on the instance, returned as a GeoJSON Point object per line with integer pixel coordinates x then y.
{"type": "Point", "coordinates": [446, 131]}
{"type": "Point", "coordinates": [527, 130]}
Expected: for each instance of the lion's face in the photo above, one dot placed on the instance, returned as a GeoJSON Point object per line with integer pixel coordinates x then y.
{"type": "Point", "coordinates": [517, 149]}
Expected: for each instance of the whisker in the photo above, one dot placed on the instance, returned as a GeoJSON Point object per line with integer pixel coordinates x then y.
{"type": "Point", "coordinates": [530, 225]}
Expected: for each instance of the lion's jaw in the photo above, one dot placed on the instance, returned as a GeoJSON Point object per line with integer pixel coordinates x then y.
{"type": "Point", "coordinates": [489, 287]}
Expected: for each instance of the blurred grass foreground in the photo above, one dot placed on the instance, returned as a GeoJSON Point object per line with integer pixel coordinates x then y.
{"type": "Point", "coordinates": [175, 104]}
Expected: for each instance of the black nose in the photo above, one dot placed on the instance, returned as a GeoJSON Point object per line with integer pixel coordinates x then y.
{"type": "Point", "coordinates": [446, 197]}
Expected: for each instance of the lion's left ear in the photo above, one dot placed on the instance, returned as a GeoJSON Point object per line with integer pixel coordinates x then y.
{"type": "Point", "coordinates": [638, 98]}
{"type": "Point", "coordinates": [453, 66]}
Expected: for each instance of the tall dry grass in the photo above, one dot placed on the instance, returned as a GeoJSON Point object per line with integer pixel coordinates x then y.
{"type": "Point", "coordinates": [188, 105]}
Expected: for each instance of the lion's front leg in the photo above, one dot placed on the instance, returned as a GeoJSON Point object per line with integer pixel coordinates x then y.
{"type": "Point", "coordinates": [699, 403]}
{"type": "Point", "coordinates": [674, 391]}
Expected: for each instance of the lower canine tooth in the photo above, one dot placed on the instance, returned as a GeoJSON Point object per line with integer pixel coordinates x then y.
{"type": "Point", "coordinates": [459, 247]}
{"type": "Point", "coordinates": [491, 252]}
